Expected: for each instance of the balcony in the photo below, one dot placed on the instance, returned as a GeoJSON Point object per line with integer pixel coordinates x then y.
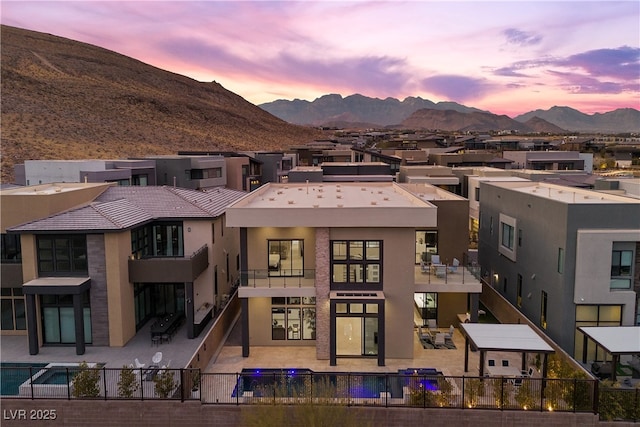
{"type": "Point", "coordinates": [443, 278]}
{"type": "Point", "coordinates": [169, 269]}
{"type": "Point", "coordinates": [263, 279]}
{"type": "Point", "coordinates": [11, 273]}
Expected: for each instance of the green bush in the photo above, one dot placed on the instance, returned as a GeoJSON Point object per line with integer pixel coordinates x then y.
{"type": "Point", "coordinates": [86, 382]}
{"type": "Point", "coordinates": [128, 383]}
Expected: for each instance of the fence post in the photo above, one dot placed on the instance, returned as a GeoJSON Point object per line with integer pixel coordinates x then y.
{"type": "Point", "coordinates": [575, 394]}
{"type": "Point", "coordinates": [104, 381]}
{"type": "Point", "coordinates": [68, 385]}
{"type": "Point", "coordinates": [386, 390]}
{"type": "Point", "coordinates": [596, 396]}
{"type": "Point", "coordinates": [502, 395]}
{"type": "Point", "coordinates": [462, 403]}
{"type": "Point", "coordinates": [182, 384]}
{"type": "Point", "coordinates": [349, 388]}
{"type": "Point", "coordinates": [31, 380]}
{"type": "Point", "coordinates": [142, 386]}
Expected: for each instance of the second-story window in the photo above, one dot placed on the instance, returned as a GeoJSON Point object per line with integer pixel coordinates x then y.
{"type": "Point", "coordinates": [621, 268]}
{"type": "Point", "coordinates": [62, 254]}
{"type": "Point", "coordinates": [158, 240]}
{"type": "Point", "coordinates": [286, 257]}
{"type": "Point", "coordinates": [356, 263]}
{"type": "Point", "coordinates": [10, 250]}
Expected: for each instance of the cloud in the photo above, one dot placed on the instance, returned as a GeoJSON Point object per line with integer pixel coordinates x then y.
{"type": "Point", "coordinates": [580, 84]}
{"type": "Point", "coordinates": [369, 74]}
{"type": "Point", "coordinates": [521, 38]}
{"type": "Point", "coordinates": [621, 63]}
{"type": "Point", "coordinates": [457, 88]}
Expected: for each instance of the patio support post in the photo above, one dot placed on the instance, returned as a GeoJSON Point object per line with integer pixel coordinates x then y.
{"type": "Point", "coordinates": [466, 353]}
{"type": "Point", "coordinates": [381, 337]}
{"type": "Point", "coordinates": [188, 290]}
{"type": "Point", "coordinates": [585, 342]}
{"type": "Point", "coordinates": [244, 313]}
{"type": "Point", "coordinates": [32, 324]}
{"type": "Point", "coordinates": [614, 366]}
{"type": "Point", "coordinates": [475, 306]}
{"type": "Point", "coordinates": [78, 314]}
{"type": "Point", "coordinates": [523, 367]}
{"type": "Point", "coordinates": [482, 355]}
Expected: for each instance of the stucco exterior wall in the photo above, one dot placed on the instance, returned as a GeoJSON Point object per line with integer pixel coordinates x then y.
{"type": "Point", "coordinates": [120, 295]}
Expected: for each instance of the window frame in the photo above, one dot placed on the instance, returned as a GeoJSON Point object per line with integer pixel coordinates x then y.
{"type": "Point", "coordinates": [358, 272]}
{"type": "Point", "coordinates": [618, 276]}
{"type": "Point", "coordinates": [76, 254]}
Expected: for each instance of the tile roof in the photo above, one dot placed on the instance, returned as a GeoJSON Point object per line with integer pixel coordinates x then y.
{"type": "Point", "coordinates": [123, 207]}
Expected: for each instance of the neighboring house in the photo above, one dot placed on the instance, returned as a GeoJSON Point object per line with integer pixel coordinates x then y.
{"type": "Point", "coordinates": [122, 172]}
{"type": "Point", "coordinates": [336, 266]}
{"type": "Point", "coordinates": [194, 172]}
{"type": "Point", "coordinates": [549, 160]}
{"type": "Point", "coordinates": [565, 257]}
{"type": "Point", "coordinates": [107, 259]}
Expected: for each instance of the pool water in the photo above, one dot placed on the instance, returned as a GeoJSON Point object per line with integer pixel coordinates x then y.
{"type": "Point", "coordinates": [56, 376]}
{"type": "Point", "coordinates": [301, 382]}
{"type": "Point", "coordinates": [14, 374]}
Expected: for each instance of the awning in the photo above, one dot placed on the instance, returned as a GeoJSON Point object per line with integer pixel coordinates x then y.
{"type": "Point", "coordinates": [56, 285]}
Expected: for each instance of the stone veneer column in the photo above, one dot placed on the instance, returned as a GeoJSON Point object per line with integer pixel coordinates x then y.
{"type": "Point", "coordinates": [97, 260]}
{"type": "Point", "coordinates": [322, 293]}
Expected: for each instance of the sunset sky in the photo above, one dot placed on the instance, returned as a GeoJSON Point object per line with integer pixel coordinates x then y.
{"type": "Point", "coordinates": [507, 57]}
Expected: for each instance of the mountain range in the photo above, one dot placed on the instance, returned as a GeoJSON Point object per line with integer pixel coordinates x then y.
{"type": "Point", "coordinates": [415, 112]}
{"type": "Point", "coordinates": [63, 99]}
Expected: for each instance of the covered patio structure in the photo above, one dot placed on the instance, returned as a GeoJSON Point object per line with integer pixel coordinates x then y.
{"type": "Point", "coordinates": [503, 337]}
{"type": "Point", "coordinates": [615, 340]}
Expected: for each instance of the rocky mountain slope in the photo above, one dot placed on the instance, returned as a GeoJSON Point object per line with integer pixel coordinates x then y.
{"type": "Point", "coordinates": [390, 111]}
{"type": "Point", "coordinates": [62, 99]}
{"type": "Point", "coordinates": [450, 120]}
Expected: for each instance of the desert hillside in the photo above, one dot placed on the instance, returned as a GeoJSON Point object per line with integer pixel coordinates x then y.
{"type": "Point", "coordinates": [62, 99]}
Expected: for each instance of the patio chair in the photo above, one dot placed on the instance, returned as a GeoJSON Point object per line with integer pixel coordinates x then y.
{"type": "Point", "coordinates": [439, 341]}
{"type": "Point", "coordinates": [435, 259]}
{"type": "Point", "coordinates": [424, 268]}
{"type": "Point", "coordinates": [138, 364]}
{"type": "Point", "coordinates": [454, 266]}
{"type": "Point", "coordinates": [449, 335]}
{"type": "Point", "coordinates": [157, 358]}
{"type": "Point", "coordinates": [432, 325]}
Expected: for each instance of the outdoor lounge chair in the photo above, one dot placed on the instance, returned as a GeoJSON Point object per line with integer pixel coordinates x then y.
{"type": "Point", "coordinates": [435, 259]}
{"type": "Point", "coordinates": [138, 364]}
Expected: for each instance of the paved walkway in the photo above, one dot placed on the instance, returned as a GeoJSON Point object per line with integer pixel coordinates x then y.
{"type": "Point", "coordinates": [177, 352]}
{"type": "Point", "coordinates": [449, 361]}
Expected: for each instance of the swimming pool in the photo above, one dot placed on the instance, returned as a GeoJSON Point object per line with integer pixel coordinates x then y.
{"type": "Point", "coordinates": [13, 374]}
{"type": "Point", "coordinates": [278, 383]}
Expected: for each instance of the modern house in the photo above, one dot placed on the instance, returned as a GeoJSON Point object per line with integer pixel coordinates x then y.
{"type": "Point", "coordinates": [122, 172]}
{"type": "Point", "coordinates": [340, 266]}
{"type": "Point", "coordinates": [99, 261]}
{"type": "Point", "coordinates": [565, 257]}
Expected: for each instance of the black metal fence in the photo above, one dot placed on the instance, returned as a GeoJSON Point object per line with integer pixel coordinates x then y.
{"type": "Point", "coordinates": [331, 388]}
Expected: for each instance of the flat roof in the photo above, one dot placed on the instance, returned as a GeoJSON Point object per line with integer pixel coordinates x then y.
{"type": "Point", "coordinates": [347, 204]}
{"type": "Point", "coordinates": [505, 337]}
{"type": "Point", "coordinates": [55, 188]}
{"type": "Point", "coordinates": [615, 339]}
{"type": "Point", "coordinates": [564, 194]}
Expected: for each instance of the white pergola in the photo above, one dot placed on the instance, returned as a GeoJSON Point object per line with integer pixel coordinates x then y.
{"type": "Point", "coordinates": [517, 338]}
{"type": "Point", "coordinates": [615, 340]}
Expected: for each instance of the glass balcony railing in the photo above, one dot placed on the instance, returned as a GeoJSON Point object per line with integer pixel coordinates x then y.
{"type": "Point", "coordinates": [265, 278]}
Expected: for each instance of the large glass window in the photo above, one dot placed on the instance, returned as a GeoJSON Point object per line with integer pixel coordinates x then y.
{"type": "Point", "coordinates": [159, 240]}
{"type": "Point", "coordinates": [286, 257]}
{"type": "Point", "coordinates": [13, 313]}
{"type": "Point", "coordinates": [621, 269]}
{"type": "Point", "coordinates": [356, 331]}
{"type": "Point", "coordinates": [356, 262]}
{"type": "Point", "coordinates": [594, 315]}
{"type": "Point", "coordinates": [507, 236]}
{"type": "Point", "coordinates": [293, 318]}
{"type": "Point", "coordinates": [426, 245]}
{"type": "Point", "coordinates": [10, 248]}
{"type": "Point", "coordinates": [62, 254]}
{"type": "Point", "coordinates": [58, 325]}
{"type": "Point", "coordinates": [543, 310]}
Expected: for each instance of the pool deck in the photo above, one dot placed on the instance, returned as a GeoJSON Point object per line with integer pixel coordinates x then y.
{"type": "Point", "coordinates": [229, 360]}
{"type": "Point", "coordinates": [177, 352]}
{"type": "Point", "coordinates": [449, 361]}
